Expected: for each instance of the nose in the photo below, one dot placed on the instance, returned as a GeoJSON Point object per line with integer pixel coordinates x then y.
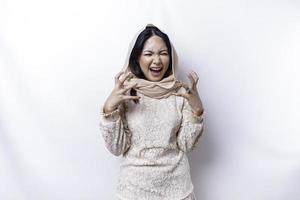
{"type": "Point", "coordinates": [156, 59]}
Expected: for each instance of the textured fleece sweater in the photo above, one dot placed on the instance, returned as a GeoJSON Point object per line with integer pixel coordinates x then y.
{"type": "Point", "coordinates": [153, 138]}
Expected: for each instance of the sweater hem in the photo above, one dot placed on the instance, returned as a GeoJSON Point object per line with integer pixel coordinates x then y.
{"type": "Point", "coordinates": [181, 198]}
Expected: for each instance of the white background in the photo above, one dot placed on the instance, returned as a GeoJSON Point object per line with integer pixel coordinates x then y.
{"type": "Point", "coordinates": [57, 63]}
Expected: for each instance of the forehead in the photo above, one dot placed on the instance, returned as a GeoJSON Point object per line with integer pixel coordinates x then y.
{"type": "Point", "coordinates": [155, 43]}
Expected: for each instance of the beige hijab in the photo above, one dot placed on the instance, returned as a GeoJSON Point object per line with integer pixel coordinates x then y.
{"type": "Point", "coordinates": [160, 89]}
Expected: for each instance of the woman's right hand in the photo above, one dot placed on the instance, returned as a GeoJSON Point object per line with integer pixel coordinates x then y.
{"type": "Point", "coordinates": [118, 95]}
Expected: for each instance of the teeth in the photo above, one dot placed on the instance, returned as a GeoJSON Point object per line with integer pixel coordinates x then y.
{"type": "Point", "coordinates": [156, 69]}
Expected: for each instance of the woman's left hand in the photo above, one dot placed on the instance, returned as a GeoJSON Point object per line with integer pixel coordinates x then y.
{"type": "Point", "coordinates": [192, 94]}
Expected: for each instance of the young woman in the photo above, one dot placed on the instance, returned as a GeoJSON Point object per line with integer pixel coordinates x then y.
{"type": "Point", "coordinates": [153, 120]}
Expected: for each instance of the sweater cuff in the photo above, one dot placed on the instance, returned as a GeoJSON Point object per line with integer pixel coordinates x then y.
{"type": "Point", "coordinates": [111, 116]}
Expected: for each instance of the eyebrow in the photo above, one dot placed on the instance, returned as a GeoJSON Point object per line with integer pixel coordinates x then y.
{"type": "Point", "coordinates": [152, 51]}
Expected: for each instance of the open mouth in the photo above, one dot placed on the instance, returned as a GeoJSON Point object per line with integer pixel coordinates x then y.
{"type": "Point", "coordinates": [156, 71]}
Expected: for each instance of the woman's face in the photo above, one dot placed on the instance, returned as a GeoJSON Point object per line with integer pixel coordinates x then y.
{"type": "Point", "coordinates": [154, 59]}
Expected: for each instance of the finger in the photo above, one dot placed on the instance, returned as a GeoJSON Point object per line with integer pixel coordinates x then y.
{"type": "Point", "coordinates": [195, 75]}
{"type": "Point", "coordinates": [185, 95]}
{"type": "Point", "coordinates": [128, 88]}
{"type": "Point", "coordinates": [192, 80]}
{"type": "Point", "coordinates": [127, 76]}
{"type": "Point", "coordinates": [130, 97]}
{"type": "Point", "coordinates": [118, 76]}
{"type": "Point", "coordinates": [185, 85]}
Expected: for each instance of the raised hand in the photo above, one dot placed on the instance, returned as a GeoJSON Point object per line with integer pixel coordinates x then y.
{"type": "Point", "coordinates": [118, 94]}
{"type": "Point", "coordinates": [192, 94]}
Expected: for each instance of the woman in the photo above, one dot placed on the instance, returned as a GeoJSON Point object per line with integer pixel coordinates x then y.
{"type": "Point", "coordinates": [153, 120]}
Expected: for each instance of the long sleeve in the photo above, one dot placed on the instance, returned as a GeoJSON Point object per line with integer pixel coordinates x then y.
{"type": "Point", "coordinates": [190, 130]}
{"type": "Point", "coordinates": [114, 130]}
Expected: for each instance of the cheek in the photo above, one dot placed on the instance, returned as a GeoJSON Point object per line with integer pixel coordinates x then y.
{"type": "Point", "coordinates": [144, 63]}
{"type": "Point", "coordinates": [166, 61]}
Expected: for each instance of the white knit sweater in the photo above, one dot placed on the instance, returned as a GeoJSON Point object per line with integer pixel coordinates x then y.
{"type": "Point", "coordinates": [153, 137]}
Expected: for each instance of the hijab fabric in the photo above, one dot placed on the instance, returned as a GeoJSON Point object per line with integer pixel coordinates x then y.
{"type": "Point", "coordinates": [154, 89]}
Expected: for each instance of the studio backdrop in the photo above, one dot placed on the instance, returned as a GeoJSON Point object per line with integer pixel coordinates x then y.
{"type": "Point", "coordinates": [58, 60]}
